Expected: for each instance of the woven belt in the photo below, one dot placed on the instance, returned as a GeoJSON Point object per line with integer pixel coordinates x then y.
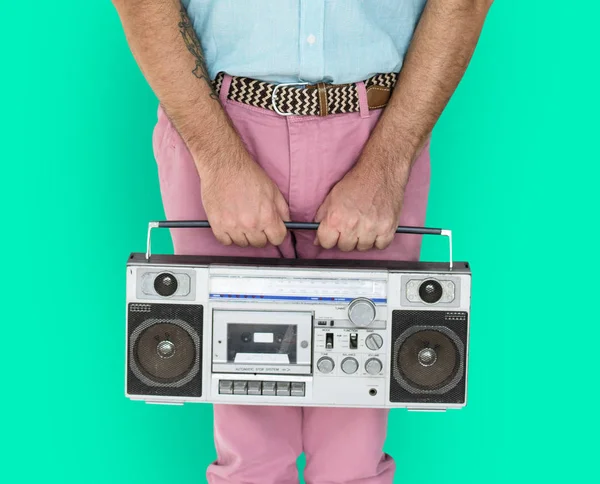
{"type": "Point", "coordinates": [300, 99]}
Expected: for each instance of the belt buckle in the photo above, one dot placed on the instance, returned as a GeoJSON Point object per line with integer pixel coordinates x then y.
{"type": "Point", "coordinates": [274, 96]}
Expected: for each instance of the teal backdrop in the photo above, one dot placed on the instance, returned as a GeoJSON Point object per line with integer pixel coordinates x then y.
{"type": "Point", "coordinates": [515, 175]}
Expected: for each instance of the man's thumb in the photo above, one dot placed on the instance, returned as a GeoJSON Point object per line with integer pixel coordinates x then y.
{"type": "Point", "coordinates": [282, 207]}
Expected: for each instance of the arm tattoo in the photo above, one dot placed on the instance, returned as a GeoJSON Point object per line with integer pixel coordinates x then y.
{"type": "Point", "coordinates": [193, 45]}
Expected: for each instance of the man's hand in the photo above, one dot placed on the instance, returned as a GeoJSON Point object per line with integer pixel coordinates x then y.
{"type": "Point", "coordinates": [361, 211]}
{"type": "Point", "coordinates": [244, 207]}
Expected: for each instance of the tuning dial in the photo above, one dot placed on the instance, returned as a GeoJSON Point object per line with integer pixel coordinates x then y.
{"type": "Point", "coordinates": [349, 365]}
{"type": "Point", "coordinates": [373, 366]}
{"type": "Point", "coordinates": [361, 312]}
{"type": "Point", "coordinates": [325, 364]}
{"type": "Point", "coordinates": [374, 341]}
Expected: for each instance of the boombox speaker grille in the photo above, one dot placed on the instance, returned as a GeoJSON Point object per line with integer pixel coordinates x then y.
{"type": "Point", "coordinates": [164, 349]}
{"type": "Point", "coordinates": [428, 357]}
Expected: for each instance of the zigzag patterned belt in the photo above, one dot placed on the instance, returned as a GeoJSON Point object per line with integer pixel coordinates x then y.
{"type": "Point", "coordinates": [308, 99]}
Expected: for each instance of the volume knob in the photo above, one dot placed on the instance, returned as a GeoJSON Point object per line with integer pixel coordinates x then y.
{"type": "Point", "coordinates": [361, 312]}
{"type": "Point", "coordinates": [373, 366]}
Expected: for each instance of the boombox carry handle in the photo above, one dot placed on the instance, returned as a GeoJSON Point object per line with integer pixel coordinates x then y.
{"type": "Point", "coordinates": [194, 224]}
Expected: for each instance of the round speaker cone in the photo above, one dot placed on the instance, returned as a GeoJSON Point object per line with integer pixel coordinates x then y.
{"type": "Point", "coordinates": [430, 291]}
{"type": "Point", "coordinates": [427, 356]}
{"type": "Point", "coordinates": [428, 360]}
{"type": "Point", "coordinates": [165, 352]}
{"type": "Point", "coordinates": [165, 284]}
{"type": "Point", "coordinates": [165, 349]}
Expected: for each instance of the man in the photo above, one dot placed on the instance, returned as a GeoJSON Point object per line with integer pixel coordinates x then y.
{"type": "Point", "coordinates": [349, 149]}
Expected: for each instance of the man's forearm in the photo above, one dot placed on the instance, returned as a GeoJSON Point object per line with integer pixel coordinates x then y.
{"type": "Point", "coordinates": [442, 46]}
{"type": "Point", "coordinates": [164, 44]}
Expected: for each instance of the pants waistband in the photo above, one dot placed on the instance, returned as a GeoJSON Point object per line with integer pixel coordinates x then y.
{"type": "Point", "coordinates": [303, 99]}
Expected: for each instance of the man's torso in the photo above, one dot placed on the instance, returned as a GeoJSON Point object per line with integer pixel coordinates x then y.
{"type": "Point", "coordinates": [337, 41]}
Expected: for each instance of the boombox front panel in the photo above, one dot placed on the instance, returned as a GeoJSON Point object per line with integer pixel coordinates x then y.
{"type": "Point", "coordinates": [428, 357]}
{"type": "Point", "coordinates": [164, 349]}
{"type": "Point", "coordinates": [353, 323]}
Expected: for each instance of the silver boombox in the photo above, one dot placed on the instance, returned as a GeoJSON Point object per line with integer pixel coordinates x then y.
{"type": "Point", "coordinates": [333, 333]}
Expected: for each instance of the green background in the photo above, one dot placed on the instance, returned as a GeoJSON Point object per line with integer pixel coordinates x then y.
{"type": "Point", "coordinates": [515, 162]}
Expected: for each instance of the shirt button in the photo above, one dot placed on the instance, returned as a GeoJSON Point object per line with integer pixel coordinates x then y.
{"type": "Point", "coordinates": [311, 39]}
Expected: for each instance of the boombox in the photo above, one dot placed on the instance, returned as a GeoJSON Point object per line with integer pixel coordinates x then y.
{"type": "Point", "coordinates": [330, 333]}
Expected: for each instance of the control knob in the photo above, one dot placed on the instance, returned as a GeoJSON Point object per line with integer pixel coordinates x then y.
{"type": "Point", "coordinates": [325, 364]}
{"type": "Point", "coordinates": [361, 312]}
{"type": "Point", "coordinates": [373, 366]}
{"type": "Point", "coordinates": [349, 365]}
{"type": "Point", "coordinates": [374, 341]}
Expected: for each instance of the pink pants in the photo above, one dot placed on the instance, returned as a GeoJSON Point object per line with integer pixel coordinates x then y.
{"type": "Point", "coordinates": [305, 157]}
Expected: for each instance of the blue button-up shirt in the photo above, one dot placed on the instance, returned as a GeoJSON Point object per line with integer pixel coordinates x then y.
{"type": "Point", "coordinates": [335, 41]}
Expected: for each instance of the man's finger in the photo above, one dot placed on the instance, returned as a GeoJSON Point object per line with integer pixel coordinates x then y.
{"type": "Point", "coordinates": [223, 237]}
{"type": "Point", "coordinates": [276, 232]}
{"type": "Point", "coordinates": [256, 239]}
{"type": "Point", "coordinates": [347, 241]}
{"type": "Point", "coordinates": [383, 241]}
{"type": "Point", "coordinates": [320, 215]}
{"type": "Point", "coordinates": [365, 243]}
{"type": "Point", "coordinates": [328, 238]}
{"type": "Point", "coordinates": [282, 207]}
{"type": "Point", "coordinates": [239, 238]}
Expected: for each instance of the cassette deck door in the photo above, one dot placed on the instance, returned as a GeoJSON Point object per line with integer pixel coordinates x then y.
{"type": "Point", "coordinates": [264, 342]}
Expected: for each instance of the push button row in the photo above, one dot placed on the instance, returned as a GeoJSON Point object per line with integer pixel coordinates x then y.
{"type": "Point", "coordinates": [280, 388]}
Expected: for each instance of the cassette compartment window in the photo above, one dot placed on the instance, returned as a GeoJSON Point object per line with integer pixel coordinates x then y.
{"type": "Point", "coordinates": [266, 339]}
{"type": "Point", "coordinates": [271, 340]}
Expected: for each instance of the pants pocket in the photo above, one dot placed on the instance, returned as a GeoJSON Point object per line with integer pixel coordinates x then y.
{"type": "Point", "coordinates": [162, 136]}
